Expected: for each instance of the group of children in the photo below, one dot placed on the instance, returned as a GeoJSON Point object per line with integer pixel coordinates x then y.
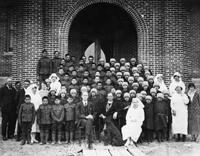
{"type": "Point", "coordinates": [50, 118]}
{"type": "Point", "coordinates": [125, 80]}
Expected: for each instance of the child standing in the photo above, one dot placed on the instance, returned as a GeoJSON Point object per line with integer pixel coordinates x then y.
{"type": "Point", "coordinates": [160, 117]}
{"type": "Point", "coordinates": [57, 115]}
{"type": "Point", "coordinates": [44, 120]}
{"type": "Point", "coordinates": [69, 108]}
{"type": "Point", "coordinates": [26, 119]}
{"type": "Point", "coordinates": [149, 122]}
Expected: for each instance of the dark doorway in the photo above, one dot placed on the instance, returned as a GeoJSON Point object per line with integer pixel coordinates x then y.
{"type": "Point", "coordinates": [107, 25]}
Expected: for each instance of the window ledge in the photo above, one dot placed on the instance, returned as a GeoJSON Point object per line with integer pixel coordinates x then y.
{"type": "Point", "coordinates": [9, 53]}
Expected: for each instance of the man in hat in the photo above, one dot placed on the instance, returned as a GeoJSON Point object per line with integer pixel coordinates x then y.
{"type": "Point", "coordinates": [44, 67]}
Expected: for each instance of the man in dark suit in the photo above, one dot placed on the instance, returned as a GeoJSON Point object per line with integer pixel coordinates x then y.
{"type": "Point", "coordinates": [44, 67]}
{"type": "Point", "coordinates": [55, 62]}
{"type": "Point", "coordinates": [19, 99]}
{"type": "Point", "coordinates": [85, 117]}
{"type": "Point", "coordinates": [7, 95]}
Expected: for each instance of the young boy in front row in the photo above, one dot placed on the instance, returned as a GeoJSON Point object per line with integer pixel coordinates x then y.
{"type": "Point", "coordinates": [57, 115]}
{"type": "Point", "coordinates": [44, 120]}
{"type": "Point", "coordinates": [69, 108]}
{"type": "Point", "coordinates": [26, 119]}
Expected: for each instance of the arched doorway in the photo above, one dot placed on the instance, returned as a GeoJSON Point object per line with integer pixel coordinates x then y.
{"type": "Point", "coordinates": [126, 6]}
{"type": "Point", "coordinates": [108, 26]}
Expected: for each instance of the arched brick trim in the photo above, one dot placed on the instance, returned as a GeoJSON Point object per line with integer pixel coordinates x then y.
{"type": "Point", "coordinates": [133, 13]}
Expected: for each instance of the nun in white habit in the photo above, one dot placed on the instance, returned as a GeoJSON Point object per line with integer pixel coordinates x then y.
{"type": "Point", "coordinates": [55, 83]}
{"type": "Point", "coordinates": [159, 79]}
{"type": "Point", "coordinates": [134, 120]}
{"type": "Point", "coordinates": [37, 101]}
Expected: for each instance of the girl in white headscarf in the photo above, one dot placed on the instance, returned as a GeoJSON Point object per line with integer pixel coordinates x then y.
{"type": "Point", "coordinates": [134, 120]}
{"type": "Point", "coordinates": [176, 81]}
{"type": "Point", "coordinates": [55, 83]}
{"type": "Point", "coordinates": [159, 79]}
{"type": "Point", "coordinates": [36, 100]}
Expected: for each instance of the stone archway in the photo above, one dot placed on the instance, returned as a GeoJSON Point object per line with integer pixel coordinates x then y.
{"type": "Point", "coordinates": [134, 14]}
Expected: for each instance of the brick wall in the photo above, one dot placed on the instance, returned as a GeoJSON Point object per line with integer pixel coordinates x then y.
{"type": "Point", "coordinates": [171, 44]}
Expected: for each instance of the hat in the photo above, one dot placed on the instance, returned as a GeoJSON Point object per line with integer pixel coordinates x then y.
{"type": "Point", "coordinates": [139, 95]}
{"type": "Point", "coordinates": [124, 84]}
{"type": "Point", "coordinates": [54, 75]}
{"type": "Point", "coordinates": [126, 74]}
{"type": "Point", "coordinates": [177, 74]}
{"type": "Point", "coordinates": [101, 60]}
{"type": "Point", "coordinates": [83, 87]}
{"type": "Point", "coordinates": [112, 60]}
{"type": "Point", "coordinates": [118, 74]}
{"type": "Point", "coordinates": [156, 84]}
{"type": "Point", "coordinates": [122, 68]}
{"type": "Point", "coordinates": [140, 79]}
{"type": "Point", "coordinates": [63, 91]}
{"type": "Point", "coordinates": [130, 78]}
{"type": "Point", "coordinates": [145, 83]}
{"type": "Point", "coordinates": [147, 72]}
{"type": "Point", "coordinates": [134, 69]}
{"type": "Point", "coordinates": [135, 84]}
{"type": "Point", "coordinates": [165, 92]}
{"type": "Point", "coordinates": [107, 65]}
{"type": "Point", "coordinates": [53, 89]}
{"type": "Point", "coordinates": [127, 64]}
{"type": "Point", "coordinates": [160, 95]}
{"type": "Point", "coordinates": [133, 59]}
{"type": "Point", "coordinates": [143, 92]}
{"type": "Point", "coordinates": [117, 64]}
{"type": "Point", "coordinates": [73, 91]}
{"type": "Point", "coordinates": [153, 90]}
{"type": "Point", "coordinates": [122, 59]}
{"type": "Point", "coordinates": [120, 79]}
{"type": "Point", "coordinates": [146, 67]}
{"type": "Point", "coordinates": [136, 74]}
{"type": "Point", "coordinates": [93, 90]}
{"type": "Point", "coordinates": [132, 91]}
{"type": "Point", "coordinates": [148, 97]}
{"type": "Point", "coordinates": [139, 65]}
{"type": "Point", "coordinates": [112, 69]}
{"type": "Point", "coordinates": [118, 92]}
{"type": "Point", "coordinates": [126, 95]}
{"type": "Point", "coordinates": [150, 77]}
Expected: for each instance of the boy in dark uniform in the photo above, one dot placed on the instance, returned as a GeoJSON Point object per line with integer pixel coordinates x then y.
{"type": "Point", "coordinates": [44, 120]}
{"type": "Point", "coordinates": [26, 119]}
{"type": "Point", "coordinates": [57, 115]}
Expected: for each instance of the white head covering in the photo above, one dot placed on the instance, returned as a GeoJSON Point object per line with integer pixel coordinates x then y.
{"type": "Point", "coordinates": [29, 89]}
{"type": "Point", "coordinates": [140, 104]}
{"type": "Point", "coordinates": [54, 75]}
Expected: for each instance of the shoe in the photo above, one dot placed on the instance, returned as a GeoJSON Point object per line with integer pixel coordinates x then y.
{"type": "Point", "coordinates": [35, 141]}
{"type": "Point", "coordinates": [90, 146]}
{"type": "Point", "coordinates": [47, 143]}
{"type": "Point", "coordinates": [59, 142]}
{"type": "Point", "coordinates": [18, 139]}
{"type": "Point", "coordinates": [41, 143]}
{"type": "Point", "coordinates": [4, 139]}
{"type": "Point", "coordinates": [22, 143]}
{"type": "Point", "coordinates": [53, 143]}
{"type": "Point", "coordinates": [10, 137]}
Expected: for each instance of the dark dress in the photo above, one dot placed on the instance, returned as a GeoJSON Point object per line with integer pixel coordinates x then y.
{"type": "Point", "coordinates": [194, 115]}
{"type": "Point", "coordinates": [160, 115]}
{"type": "Point", "coordinates": [149, 116]}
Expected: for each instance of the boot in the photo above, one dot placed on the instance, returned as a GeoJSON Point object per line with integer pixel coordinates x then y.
{"type": "Point", "coordinates": [67, 137]}
{"type": "Point", "coordinates": [42, 138]}
{"type": "Point", "coordinates": [59, 138]}
{"type": "Point", "coordinates": [53, 139]}
{"type": "Point", "coordinates": [179, 138]}
{"type": "Point", "coordinates": [47, 137]}
{"type": "Point", "coordinates": [28, 137]}
{"type": "Point", "coordinates": [71, 136]}
{"type": "Point", "coordinates": [151, 136]}
{"type": "Point", "coordinates": [183, 137]}
{"type": "Point", "coordinates": [158, 136]}
{"type": "Point", "coordinates": [24, 139]}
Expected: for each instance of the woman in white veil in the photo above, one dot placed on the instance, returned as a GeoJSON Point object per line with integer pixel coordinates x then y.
{"type": "Point", "coordinates": [134, 120]}
{"type": "Point", "coordinates": [55, 83]}
{"type": "Point", "coordinates": [36, 99]}
{"type": "Point", "coordinates": [159, 79]}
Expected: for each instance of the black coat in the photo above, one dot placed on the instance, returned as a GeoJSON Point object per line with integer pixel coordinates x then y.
{"type": "Point", "coordinates": [149, 116]}
{"type": "Point", "coordinates": [19, 98]}
{"type": "Point", "coordinates": [44, 66]}
{"type": "Point", "coordinates": [7, 96]}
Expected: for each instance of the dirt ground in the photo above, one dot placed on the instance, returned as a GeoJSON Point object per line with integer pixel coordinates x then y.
{"type": "Point", "coordinates": [172, 148]}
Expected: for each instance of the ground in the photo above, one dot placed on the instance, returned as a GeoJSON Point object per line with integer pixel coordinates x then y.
{"type": "Point", "coordinates": [172, 148]}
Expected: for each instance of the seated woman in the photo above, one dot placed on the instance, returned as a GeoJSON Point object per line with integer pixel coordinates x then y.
{"type": "Point", "coordinates": [134, 120]}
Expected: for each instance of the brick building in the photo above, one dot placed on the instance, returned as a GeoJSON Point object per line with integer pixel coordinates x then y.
{"type": "Point", "coordinates": [165, 34]}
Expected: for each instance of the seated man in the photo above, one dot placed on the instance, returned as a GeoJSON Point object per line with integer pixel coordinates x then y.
{"type": "Point", "coordinates": [85, 116]}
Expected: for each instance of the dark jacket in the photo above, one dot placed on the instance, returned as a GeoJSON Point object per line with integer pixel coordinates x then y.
{"type": "Point", "coordinates": [114, 108]}
{"type": "Point", "coordinates": [70, 112]}
{"type": "Point", "coordinates": [44, 114]}
{"type": "Point", "coordinates": [19, 98]}
{"type": "Point", "coordinates": [7, 96]}
{"type": "Point", "coordinates": [26, 113]}
{"type": "Point", "coordinates": [82, 112]}
{"type": "Point", "coordinates": [55, 62]}
{"type": "Point", "coordinates": [57, 113]}
{"type": "Point", "coordinates": [44, 66]}
{"type": "Point", "coordinates": [149, 115]}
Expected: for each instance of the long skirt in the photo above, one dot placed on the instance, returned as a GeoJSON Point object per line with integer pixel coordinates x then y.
{"type": "Point", "coordinates": [194, 124]}
{"type": "Point", "coordinates": [35, 127]}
